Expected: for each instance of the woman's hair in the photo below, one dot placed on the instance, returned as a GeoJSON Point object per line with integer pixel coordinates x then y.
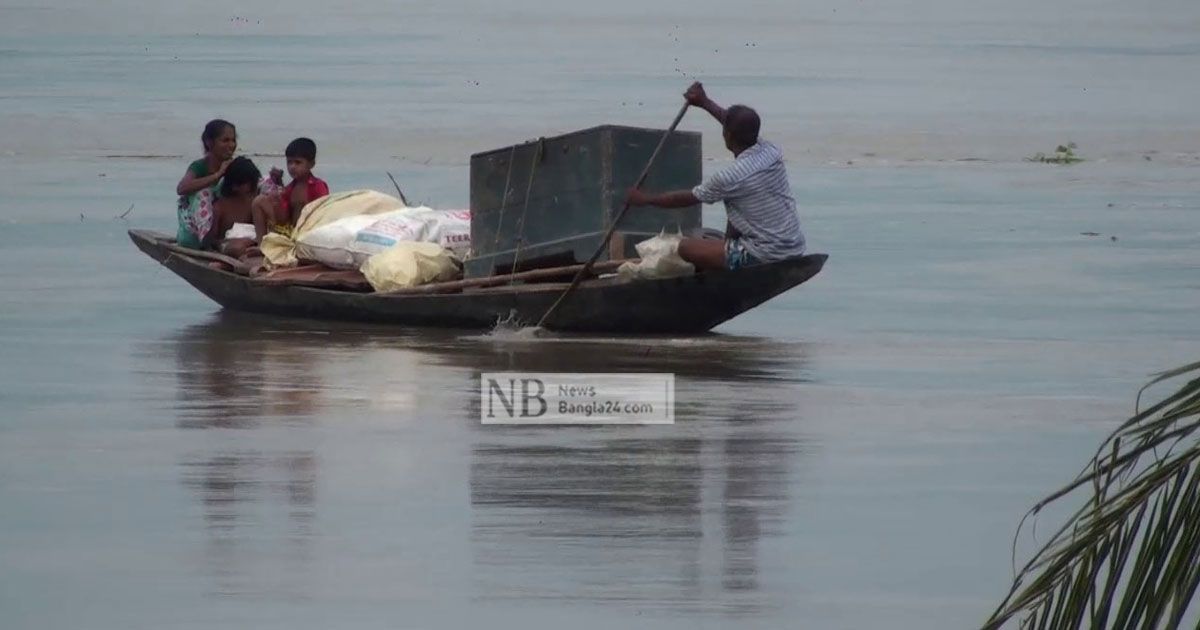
{"type": "Point", "coordinates": [240, 171]}
{"type": "Point", "coordinates": [213, 130]}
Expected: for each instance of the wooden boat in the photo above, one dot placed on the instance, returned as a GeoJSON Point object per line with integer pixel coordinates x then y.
{"type": "Point", "coordinates": [683, 305]}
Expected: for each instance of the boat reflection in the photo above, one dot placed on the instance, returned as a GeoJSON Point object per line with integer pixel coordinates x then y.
{"type": "Point", "coordinates": [649, 517]}
{"type": "Point", "coordinates": [654, 516]}
{"type": "Point", "coordinates": [231, 375]}
{"type": "Point", "coordinates": [254, 501]}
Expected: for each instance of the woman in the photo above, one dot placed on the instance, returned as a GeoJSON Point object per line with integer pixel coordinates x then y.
{"type": "Point", "coordinates": [198, 187]}
{"type": "Point", "coordinates": [216, 190]}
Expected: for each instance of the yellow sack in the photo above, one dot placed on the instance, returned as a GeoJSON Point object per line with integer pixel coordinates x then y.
{"type": "Point", "coordinates": [410, 264]}
{"type": "Point", "coordinates": [280, 250]}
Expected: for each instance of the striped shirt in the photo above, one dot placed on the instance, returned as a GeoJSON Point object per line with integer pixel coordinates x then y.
{"type": "Point", "coordinates": [759, 202]}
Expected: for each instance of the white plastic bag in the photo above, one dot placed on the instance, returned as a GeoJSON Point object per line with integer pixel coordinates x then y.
{"type": "Point", "coordinates": [659, 259]}
{"type": "Point", "coordinates": [386, 232]}
{"type": "Point", "coordinates": [348, 242]}
{"type": "Point", "coordinates": [283, 251]}
{"type": "Point", "coordinates": [241, 230]}
{"type": "Point", "coordinates": [450, 229]}
{"type": "Point", "coordinates": [330, 244]}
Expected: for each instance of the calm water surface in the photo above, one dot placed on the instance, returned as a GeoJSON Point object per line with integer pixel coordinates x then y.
{"type": "Point", "coordinates": [855, 453]}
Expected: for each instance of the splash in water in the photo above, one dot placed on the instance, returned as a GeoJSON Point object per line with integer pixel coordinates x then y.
{"type": "Point", "coordinates": [511, 328]}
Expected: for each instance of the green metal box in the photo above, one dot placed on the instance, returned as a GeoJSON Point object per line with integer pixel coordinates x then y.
{"type": "Point", "coordinates": [548, 202]}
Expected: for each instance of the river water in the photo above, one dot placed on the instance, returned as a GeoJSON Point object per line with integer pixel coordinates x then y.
{"type": "Point", "coordinates": [855, 453]}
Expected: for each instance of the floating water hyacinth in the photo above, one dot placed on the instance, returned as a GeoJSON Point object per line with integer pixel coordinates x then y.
{"type": "Point", "coordinates": [1063, 154]}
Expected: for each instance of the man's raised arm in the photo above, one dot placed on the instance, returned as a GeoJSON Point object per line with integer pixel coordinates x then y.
{"type": "Point", "coordinates": [673, 199]}
{"type": "Point", "coordinates": [696, 97]}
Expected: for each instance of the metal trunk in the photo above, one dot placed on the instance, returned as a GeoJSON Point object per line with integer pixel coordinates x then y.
{"type": "Point", "coordinates": [549, 202]}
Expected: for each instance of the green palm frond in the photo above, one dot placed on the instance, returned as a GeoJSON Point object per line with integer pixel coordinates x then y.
{"type": "Point", "coordinates": [1129, 557]}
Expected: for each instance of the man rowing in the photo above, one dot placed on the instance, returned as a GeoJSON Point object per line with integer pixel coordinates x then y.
{"type": "Point", "coordinates": [763, 224]}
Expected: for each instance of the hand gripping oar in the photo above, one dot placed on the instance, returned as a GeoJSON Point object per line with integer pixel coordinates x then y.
{"type": "Point", "coordinates": [587, 267]}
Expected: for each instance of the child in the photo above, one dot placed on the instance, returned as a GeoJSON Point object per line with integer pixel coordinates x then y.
{"type": "Point", "coordinates": [216, 209]}
{"type": "Point", "coordinates": [219, 140]}
{"type": "Point", "coordinates": [284, 208]}
{"type": "Point", "coordinates": [233, 203]}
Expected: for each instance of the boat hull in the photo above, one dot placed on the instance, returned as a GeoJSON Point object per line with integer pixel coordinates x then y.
{"type": "Point", "coordinates": [684, 305]}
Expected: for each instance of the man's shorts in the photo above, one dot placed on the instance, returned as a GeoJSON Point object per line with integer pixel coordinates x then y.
{"type": "Point", "coordinates": [736, 255]}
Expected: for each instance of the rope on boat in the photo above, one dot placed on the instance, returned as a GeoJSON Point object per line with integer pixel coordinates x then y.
{"type": "Point", "coordinates": [537, 154]}
{"type": "Point", "coordinates": [512, 156]}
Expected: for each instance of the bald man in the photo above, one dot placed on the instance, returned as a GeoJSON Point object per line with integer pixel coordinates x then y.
{"type": "Point", "coordinates": [763, 223]}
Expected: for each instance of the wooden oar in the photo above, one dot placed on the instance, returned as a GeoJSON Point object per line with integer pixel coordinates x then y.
{"type": "Point", "coordinates": [583, 271]}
